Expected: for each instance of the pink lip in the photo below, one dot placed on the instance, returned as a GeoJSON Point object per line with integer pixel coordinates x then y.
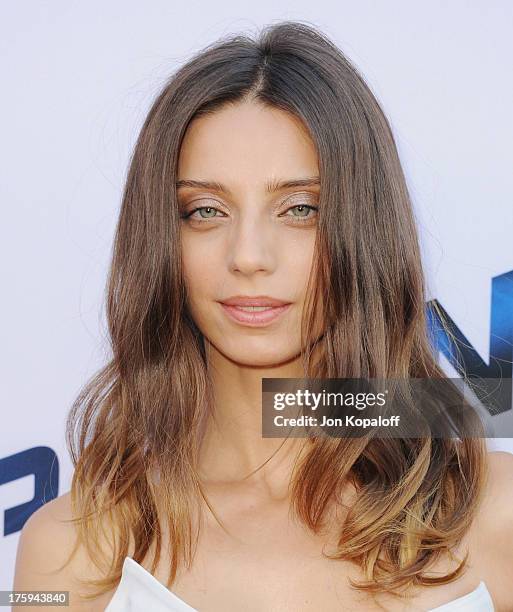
{"type": "Point", "coordinates": [254, 319]}
{"type": "Point", "coordinates": [257, 300]}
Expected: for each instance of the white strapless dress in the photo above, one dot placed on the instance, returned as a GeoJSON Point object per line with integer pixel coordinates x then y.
{"type": "Point", "coordinates": [140, 591]}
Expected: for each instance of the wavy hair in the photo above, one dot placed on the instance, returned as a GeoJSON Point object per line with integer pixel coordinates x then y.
{"type": "Point", "coordinates": [145, 412]}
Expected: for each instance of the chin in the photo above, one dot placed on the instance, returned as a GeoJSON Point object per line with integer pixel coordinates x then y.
{"type": "Point", "coordinates": [248, 354]}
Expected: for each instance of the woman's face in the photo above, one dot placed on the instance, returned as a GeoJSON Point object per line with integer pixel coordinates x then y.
{"type": "Point", "coordinates": [240, 238]}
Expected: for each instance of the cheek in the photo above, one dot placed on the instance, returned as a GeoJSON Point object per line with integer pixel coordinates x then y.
{"type": "Point", "coordinates": [198, 275]}
{"type": "Point", "coordinates": [297, 258]}
{"type": "Point", "coordinates": [199, 262]}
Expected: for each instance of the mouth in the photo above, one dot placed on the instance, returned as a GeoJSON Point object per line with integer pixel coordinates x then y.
{"type": "Point", "coordinates": [254, 315]}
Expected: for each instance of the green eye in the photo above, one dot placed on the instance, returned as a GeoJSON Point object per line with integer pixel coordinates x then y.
{"type": "Point", "coordinates": [305, 213]}
{"type": "Point", "coordinates": [211, 212]}
{"type": "Point", "coordinates": [303, 209]}
{"type": "Point", "coordinates": [207, 208]}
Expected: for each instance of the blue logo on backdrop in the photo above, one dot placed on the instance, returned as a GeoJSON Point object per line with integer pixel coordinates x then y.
{"type": "Point", "coordinates": [42, 462]}
{"type": "Point", "coordinates": [495, 393]}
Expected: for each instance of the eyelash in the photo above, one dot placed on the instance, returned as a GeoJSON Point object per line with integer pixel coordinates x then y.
{"type": "Point", "coordinates": [298, 220]}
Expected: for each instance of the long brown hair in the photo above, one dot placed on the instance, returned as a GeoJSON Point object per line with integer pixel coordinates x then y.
{"type": "Point", "coordinates": [146, 409]}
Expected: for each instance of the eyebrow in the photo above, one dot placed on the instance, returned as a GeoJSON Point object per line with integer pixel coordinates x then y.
{"type": "Point", "coordinates": [271, 186]}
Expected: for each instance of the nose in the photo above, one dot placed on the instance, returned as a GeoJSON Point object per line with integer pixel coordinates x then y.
{"type": "Point", "coordinates": [252, 245]}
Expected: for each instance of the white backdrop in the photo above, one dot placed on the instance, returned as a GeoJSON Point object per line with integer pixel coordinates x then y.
{"type": "Point", "coordinates": [77, 80]}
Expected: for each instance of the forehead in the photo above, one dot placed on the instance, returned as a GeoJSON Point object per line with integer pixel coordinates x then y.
{"type": "Point", "coordinates": [247, 143]}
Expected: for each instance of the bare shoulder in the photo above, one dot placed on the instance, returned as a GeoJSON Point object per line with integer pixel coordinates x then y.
{"type": "Point", "coordinates": [44, 546]}
{"type": "Point", "coordinates": [493, 531]}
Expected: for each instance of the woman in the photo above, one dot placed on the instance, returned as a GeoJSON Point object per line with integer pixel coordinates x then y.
{"type": "Point", "coordinates": [266, 169]}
